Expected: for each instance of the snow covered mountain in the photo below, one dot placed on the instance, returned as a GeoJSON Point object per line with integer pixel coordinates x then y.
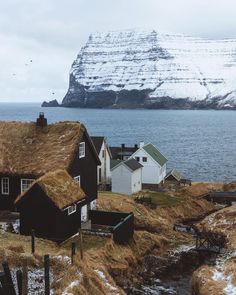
{"type": "Point", "coordinates": [147, 69]}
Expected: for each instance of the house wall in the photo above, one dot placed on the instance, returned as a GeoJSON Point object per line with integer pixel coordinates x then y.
{"type": "Point", "coordinates": [136, 182]}
{"type": "Point", "coordinates": [152, 172]}
{"type": "Point", "coordinates": [105, 165]}
{"type": "Point", "coordinates": [86, 167]}
{"type": "Point", "coordinates": [7, 201]}
{"type": "Point", "coordinates": [121, 180]}
{"type": "Point", "coordinates": [39, 213]}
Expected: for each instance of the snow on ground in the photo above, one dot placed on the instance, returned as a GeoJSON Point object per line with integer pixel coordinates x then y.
{"type": "Point", "coordinates": [75, 283]}
{"type": "Point", "coordinates": [35, 280]}
{"type": "Point", "coordinates": [219, 275]}
{"type": "Point", "coordinates": [182, 248]}
{"type": "Point", "coordinates": [105, 280]}
{"type": "Point", "coordinates": [64, 259]}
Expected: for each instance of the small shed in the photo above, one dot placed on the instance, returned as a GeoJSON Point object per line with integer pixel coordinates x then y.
{"type": "Point", "coordinates": [51, 206]}
{"type": "Point", "coordinates": [127, 177]}
{"type": "Point", "coordinates": [173, 176]}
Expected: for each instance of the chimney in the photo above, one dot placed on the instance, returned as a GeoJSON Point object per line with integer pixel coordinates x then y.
{"type": "Point", "coordinates": [141, 144]}
{"type": "Point", "coordinates": [136, 146]}
{"type": "Point", "coordinates": [41, 121]}
{"type": "Point", "coordinates": [122, 146]}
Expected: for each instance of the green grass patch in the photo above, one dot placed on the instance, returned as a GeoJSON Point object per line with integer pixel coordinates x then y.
{"type": "Point", "coordinates": [162, 199]}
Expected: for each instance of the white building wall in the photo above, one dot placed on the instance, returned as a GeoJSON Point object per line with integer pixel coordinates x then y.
{"type": "Point", "coordinates": [152, 172]}
{"type": "Point", "coordinates": [93, 205]}
{"type": "Point", "coordinates": [84, 213]}
{"type": "Point", "coordinates": [136, 182]}
{"type": "Point", "coordinates": [121, 180]}
{"type": "Point", "coordinates": [105, 165]}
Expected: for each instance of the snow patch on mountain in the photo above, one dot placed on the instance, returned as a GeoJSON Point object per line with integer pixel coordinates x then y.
{"type": "Point", "coordinates": [158, 66]}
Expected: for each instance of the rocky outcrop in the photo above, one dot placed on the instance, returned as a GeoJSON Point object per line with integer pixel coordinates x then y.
{"type": "Point", "coordinates": [134, 69]}
{"type": "Point", "coordinates": [51, 103]}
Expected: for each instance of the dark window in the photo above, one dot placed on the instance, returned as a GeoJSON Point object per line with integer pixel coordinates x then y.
{"type": "Point", "coordinates": [144, 159]}
{"type": "Point", "coordinates": [100, 175]}
{"type": "Point", "coordinates": [137, 159]}
{"type": "Point", "coordinates": [103, 153]}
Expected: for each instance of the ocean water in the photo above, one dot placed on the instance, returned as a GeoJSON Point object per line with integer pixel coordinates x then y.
{"type": "Point", "coordinates": [200, 144]}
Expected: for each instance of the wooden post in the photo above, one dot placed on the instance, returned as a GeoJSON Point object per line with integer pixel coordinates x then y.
{"type": "Point", "coordinates": [32, 241]}
{"type": "Point", "coordinates": [19, 278]}
{"type": "Point", "coordinates": [81, 244]}
{"type": "Point", "coordinates": [47, 274]}
{"type": "Point", "coordinates": [25, 278]}
{"type": "Point", "coordinates": [73, 251]}
{"type": "Point", "coordinates": [4, 287]}
{"type": "Point", "coordinates": [8, 278]}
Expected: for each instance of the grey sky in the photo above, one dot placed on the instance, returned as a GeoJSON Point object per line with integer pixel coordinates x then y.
{"type": "Point", "coordinates": [51, 32]}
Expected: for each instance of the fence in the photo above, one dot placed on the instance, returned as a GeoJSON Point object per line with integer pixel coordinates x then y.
{"type": "Point", "coordinates": [121, 224]}
{"type": "Point", "coordinates": [7, 287]}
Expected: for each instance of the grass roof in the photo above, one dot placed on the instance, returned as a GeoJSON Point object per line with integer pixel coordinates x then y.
{"type": "Point", "coordinates": [28, 149]}
{"type": "Point", "coordinates": [59, 187]}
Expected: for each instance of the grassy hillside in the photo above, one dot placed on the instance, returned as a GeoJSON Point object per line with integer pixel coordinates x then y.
{"type": "Point", "coordinates": [106, 266]}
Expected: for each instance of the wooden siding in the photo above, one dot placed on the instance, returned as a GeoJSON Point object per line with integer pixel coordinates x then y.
{"type": "Point", "coordinates": [39, 213]}
{"type": "Point", "coordinates": [7, 201]}
{"type": "Point", "coordinates": [86, 167]}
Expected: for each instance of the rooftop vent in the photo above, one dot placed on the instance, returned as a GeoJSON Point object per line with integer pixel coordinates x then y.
{"type": "Point", "coordinates": [41, 121]}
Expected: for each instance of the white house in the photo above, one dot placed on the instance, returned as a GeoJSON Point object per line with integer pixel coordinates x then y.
{"type": "Point", "coordinates": [153, 162]}
{"type": "Point", "coordinates": [127, 177]}
{"type": "Point", "coordinates": [103, 151]}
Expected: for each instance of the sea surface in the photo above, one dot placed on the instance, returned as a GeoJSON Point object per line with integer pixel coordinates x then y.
{"type": "Point", "coordinates": [200, 144]}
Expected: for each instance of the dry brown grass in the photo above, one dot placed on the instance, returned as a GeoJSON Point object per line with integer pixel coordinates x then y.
{"type": "Point", "coordinates": [121, 265]}
{"type": "Point", "coordinates": [28, 149]}
{"type": "Point", "coordinates": [222, 221]}
{"type": "Point", "coordinates": [198, 189]}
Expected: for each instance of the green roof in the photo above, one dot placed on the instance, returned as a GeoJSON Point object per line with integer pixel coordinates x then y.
{"type": "Point", "coordinates": [114, 163]}
{"type": "Point", "coordinates": [155, 154]}
{"type": "Point", "coordinates": [175, 174]}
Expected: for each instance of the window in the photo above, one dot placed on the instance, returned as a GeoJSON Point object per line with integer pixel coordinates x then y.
{"type": "Point", "coordinates": [103, 153]}
{"type": "Point", "coordinates": [144, 159]}
{"type": "Point", "coordinates": [82, 150]}
{"type": "Point", "coordinates": [77, 179]}
{"type": "Point", "coordinates": [25, 183]}
{"type": "Point", "coordinates": [137, 159]}
{"type": "Point", "coordinates": [5, 186]}
{"type": "Point", "coordinates": [71, 209]}
{"type": "Point", "coordinates": [100, 175]}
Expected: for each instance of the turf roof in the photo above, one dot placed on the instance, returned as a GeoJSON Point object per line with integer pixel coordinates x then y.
{"type": "Point", "coordinates": [59, 187]}
{"type": "Point", "coordinates": [28, 149]}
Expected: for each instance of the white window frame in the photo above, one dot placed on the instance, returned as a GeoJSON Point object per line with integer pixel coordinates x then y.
{"type": "Point", "coordinates": [77, 179]}
{"type": "Point", "coordinates": [71, 209]}
{"type": "Point", "coordinates": [82, 150]}
{"type": "Point", "coordinates": [5, 189]}
{"type": "Point", "coordinates": [24, 187]}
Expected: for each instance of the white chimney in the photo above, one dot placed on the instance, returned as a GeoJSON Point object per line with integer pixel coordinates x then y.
{"type": "Point", "coordinates": [141, 144]}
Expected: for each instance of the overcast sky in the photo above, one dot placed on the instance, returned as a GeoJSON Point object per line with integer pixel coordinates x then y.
{"type": "Point", "coordinates": [51, 33]}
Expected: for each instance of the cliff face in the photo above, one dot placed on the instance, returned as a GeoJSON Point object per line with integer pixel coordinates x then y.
{"type": "Point", "coordinates": [148, 69]}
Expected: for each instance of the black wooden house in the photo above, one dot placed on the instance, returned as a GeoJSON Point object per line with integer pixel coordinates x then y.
{"type": "Point", "coordinates": [30, 150]}
{"type": "Point", "coordinates": [51, 206]}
